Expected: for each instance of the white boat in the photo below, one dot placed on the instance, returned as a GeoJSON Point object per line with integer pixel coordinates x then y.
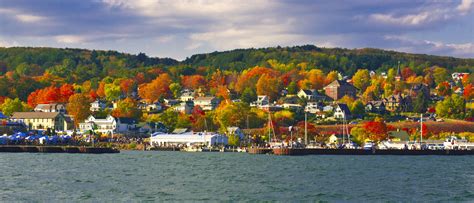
{"type": "Point", "coordinates": [192, 149]}
{"type": "Point", "coordinates": [392, 145]}
{"type": "Point", "coordinates": [460, 144]}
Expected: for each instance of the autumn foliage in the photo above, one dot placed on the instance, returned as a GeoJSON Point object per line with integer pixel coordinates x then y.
{"type": "Point", "coordinates": [156, 89]}
{"type": "Point", "coordinates": [193, 81]}
{"type": "Point", "coordinates": [377, 129]}
{"type": "Point", "coordinates": [50, 95]}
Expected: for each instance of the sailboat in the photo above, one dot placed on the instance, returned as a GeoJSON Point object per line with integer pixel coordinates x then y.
{"type": "Point", "coordinates": [346, 137]}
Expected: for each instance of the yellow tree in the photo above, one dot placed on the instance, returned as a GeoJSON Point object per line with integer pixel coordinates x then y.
{"type": "Point", "coordinates": [79, 107]}
{"type": "Point", "coordinates": [313, 79]}
{"type": "Point", "coordinates": [269, 86]}
{"type": "Point", "coordinates": [361, 79]}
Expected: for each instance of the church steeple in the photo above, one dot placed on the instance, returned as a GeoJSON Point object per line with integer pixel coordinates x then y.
{"type": "Point", "coordinates": [399, 73]}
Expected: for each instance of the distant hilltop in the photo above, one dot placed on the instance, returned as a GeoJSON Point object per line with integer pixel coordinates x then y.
{"type": "Point", "coordinates": [343, 60]}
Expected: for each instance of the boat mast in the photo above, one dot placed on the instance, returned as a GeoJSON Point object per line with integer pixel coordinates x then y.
{"type": "Point", "coordinates": [421, 129]}
{"type": "Point", "coordinates": [305, 129]}
{"type": "Point", "coordinates": [269, 127]}
{"type": "Point", "coordinates": [343, 139]}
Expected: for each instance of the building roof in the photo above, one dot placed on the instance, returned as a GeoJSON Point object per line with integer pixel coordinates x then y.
{"type": "Point", "coordinates": [180, 130]}
{"type": "Point", "coordinates": [30, 115]}
{"type": "Point", "coordinates": [376, 103]}
{"type": "Point", "coordinates": [310, 92]}
{"type": "Point", "coordinates": [55, 106]}
{"type": "Point", "coordinates": [340, 83]}
{"type": "Point", "coordinates": [204, 98]}
{"type": "Point", "coordinates": [127, 120]}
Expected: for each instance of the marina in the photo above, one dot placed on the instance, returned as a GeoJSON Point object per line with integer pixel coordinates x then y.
{"type": "Point", "coordinates": [57, 149]}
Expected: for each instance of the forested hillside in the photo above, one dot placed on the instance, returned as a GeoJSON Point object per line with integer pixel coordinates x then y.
{"type": "Point", "coordinates": [346, 61]}
{"type": "Point", "coordinates": [25, 69]}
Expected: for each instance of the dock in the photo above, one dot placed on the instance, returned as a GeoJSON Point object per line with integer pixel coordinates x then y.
{"type": "Point", "coordinates": [57, 149]}
{"type": "Point", "coordinates": [259, 150]}
{"type": "Point", "coordinates": [301, 152]}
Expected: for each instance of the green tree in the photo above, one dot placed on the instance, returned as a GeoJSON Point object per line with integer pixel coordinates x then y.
{"type": "Point", "coordinates": [127, 108]}
{"type": "Point", "coordinates": [169, 118]}
{"type": "Point", "coordinates": [451, 107]}
{"type": "Point", "coordinates": [234, 140]}
{"type": "Point", "coordinates": [359, 135]}
{"type": "Point", "coordinates": [357, 108]}
{"type": "Point", "coordinates": [420, 104]}
{"type": "Point", "coordinates": [234, 114]}
{"type": "Point", "coordinates": [440, 75]}
{"type": "Point", "coordinates": [248, 95]}
{"type": "Point", "coordinates": [13, 105]}
{"type": "Point", "coordinates": [112, 91]}
{"type": "Point", "coordinates": [292, 88]}
{"type": "Point", "coordinates": [175, 89]}
{"type": "Point", "coordinates": [361, 79]}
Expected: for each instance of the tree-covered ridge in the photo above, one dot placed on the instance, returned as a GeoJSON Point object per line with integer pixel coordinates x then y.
{"type": "Point", "coordinates": [343, 60]}
{"type": "Point", "coordinates": [81, 63]}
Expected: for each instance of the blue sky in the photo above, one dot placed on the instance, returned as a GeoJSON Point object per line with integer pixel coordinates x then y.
{"type": "Point", "coordinates": [180, 28]}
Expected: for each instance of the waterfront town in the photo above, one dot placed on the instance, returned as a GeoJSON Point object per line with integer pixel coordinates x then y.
{"type": "Point", "coordinates": [282, 105]}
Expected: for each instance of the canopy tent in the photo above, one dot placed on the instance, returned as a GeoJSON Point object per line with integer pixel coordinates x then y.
{"type": "Point", "coordinates": [2, 116]}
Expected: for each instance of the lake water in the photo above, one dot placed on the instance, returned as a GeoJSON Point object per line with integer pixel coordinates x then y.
{"type": "Point", "coordinates": [178, 176]}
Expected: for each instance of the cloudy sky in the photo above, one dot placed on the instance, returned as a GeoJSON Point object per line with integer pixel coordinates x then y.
{"type": "Point", "coordinates": [180, 28]}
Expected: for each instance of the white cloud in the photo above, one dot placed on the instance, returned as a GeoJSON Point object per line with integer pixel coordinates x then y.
{"type": "Point", "coordinates": [417, 19]}
{"type": "Point", "coordinates": [157, 8]}
{"type": "Point", "coordinates": [69, 39]}
{"type": "Point", "coordinates": [6, 43]}
{"type": "Point", "coordinates": [29, 18]}
{"type": "Point", "coordinates": [21, 16]}
{"type": "Point", "coordinates": [432, 47]}
{"type": "Point", "coordinates": [165, 39]}
{"type": "Point", "coordinates": [465, 6]}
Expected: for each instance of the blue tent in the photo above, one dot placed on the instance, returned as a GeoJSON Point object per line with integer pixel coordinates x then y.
{"type": "Point", "coordinates": [3, 139]}
{"type": "Point", "coordinates": [31, 138]}
{"type": "Point", "coordinates": [2, 116]}
{"type": "Point", "coordinates": [21, 134]}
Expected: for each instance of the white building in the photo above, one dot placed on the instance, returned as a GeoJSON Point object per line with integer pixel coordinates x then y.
{"type": "Point", "coordinates": [187, 95]}
{"type": "Point", "coordinates": [188, 138]}
{"type": "Point", "coordinates": [185, 107]}
{"type": "Point", "coordinates": [313, 107]}
{"type": "Point", "coordinates": [458, 76]}
{"type": "Point", "coordinates": [262, 102]}
{"type": "Point", "coordinates": [206, 103]}
{"type": "Point", "coordinates": [105, 125]}
{"type": "Point", "coordinates": [97, 105]}
{"type": "Point", "coordinates": [342, 111]}
{"type": "Point", "coordinates": [150, 107]}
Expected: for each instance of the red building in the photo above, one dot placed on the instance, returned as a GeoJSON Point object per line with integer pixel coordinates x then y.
{"type": "Point", "coordinates": [338, 88]}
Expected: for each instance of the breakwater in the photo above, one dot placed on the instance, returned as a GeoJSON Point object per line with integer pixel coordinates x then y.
{"type": "Point", "coordinates": [57, 149]}
{"type": "Point", "coordinates": [296, 152]}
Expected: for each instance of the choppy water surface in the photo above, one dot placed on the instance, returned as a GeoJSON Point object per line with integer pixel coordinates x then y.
{"type": "Point", "coordinates": [135, 175]}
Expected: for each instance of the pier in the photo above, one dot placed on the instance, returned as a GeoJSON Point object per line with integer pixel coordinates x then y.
{"type": "Point", "coordinates": [57, 149]}
{"type": "Point", "coordinates": [300, 152]}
